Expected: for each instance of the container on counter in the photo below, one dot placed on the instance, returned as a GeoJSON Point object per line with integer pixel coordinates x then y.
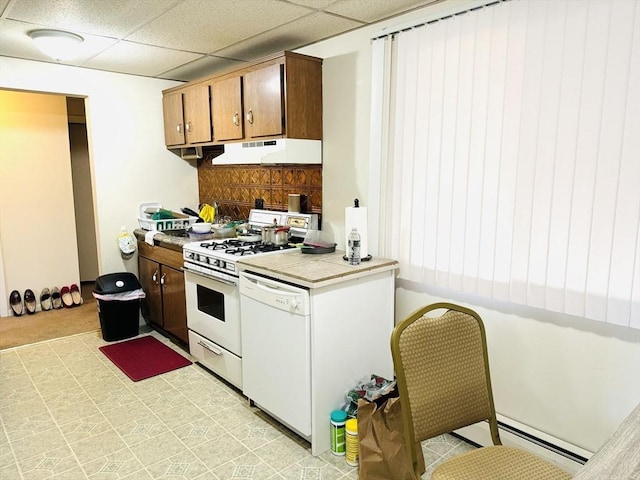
{"type": "Point", "coordinates": [353, 251]}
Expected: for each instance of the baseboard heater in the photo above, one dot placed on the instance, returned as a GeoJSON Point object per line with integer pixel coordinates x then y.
{"type": "Point", "coordinates": [512, 433]}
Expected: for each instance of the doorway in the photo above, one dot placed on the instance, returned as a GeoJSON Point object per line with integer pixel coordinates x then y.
{"type": "Point", "coordinates": [47, 219]}
{"type": "Point", "coordinates": [82, 193]}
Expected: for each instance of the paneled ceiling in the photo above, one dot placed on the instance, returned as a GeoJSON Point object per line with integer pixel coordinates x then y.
{"type": "Point", "coordinates": [185, 39]}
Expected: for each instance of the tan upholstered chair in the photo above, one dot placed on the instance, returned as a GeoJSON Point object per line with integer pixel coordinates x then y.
{"type": "Point", "coordinates": [443, 378]}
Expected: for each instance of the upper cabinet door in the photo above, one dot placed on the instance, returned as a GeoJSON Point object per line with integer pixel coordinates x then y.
{"type": "Point", "coordinates": [173, 119]}
{"type": "Point", "coordinates": [263, 101]}
{"type": "Point", "coordinates": [226, 108]}
{"type": "Point", "coordinates": [197, 114]}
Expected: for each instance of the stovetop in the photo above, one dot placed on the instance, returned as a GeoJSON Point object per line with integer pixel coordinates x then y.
{"type": "Point", "coordinates": [219, 257]}
{"type": "Point", "coordinates": [232, 248]}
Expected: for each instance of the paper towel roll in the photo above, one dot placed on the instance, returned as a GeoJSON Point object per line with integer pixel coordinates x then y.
{"type": "Point", "coordinates": [356, 217]}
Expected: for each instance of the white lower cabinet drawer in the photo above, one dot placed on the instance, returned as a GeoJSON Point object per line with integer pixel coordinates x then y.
{"type": "Point", "coordinates": [217, 359]}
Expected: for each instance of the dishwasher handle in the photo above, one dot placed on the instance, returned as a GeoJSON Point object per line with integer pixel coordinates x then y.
{"type": "Point", "coordinates": [275, 294]}
{"type": "Point", "coordinates": [274, 289]}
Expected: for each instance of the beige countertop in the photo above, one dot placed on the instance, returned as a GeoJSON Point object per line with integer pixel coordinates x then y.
{"type": "Point", "coordinates": [172, 242]}
{"type": "Point", "coordinates": [313, 270]}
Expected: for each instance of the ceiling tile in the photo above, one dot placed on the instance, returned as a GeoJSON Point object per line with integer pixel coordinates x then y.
{"type": "Point", "coordinates": [137, 59]}
{"type": "Point", "coordinates": [315, 4]}
{"type": "Point", "coordinates": [374, 10]}
{"type": "Point", "coordinates": [205, 26]}
{"type": "Point", "coordinates": [3, 4]}
{"type": "Point", "coordinates": [201, 67]}
{"type": "Point", "coordinates": [114, 18]}
{"type": "Point", "coordinates": [287, 37]}
{"type": "Point", "coordinates": [15, 42]}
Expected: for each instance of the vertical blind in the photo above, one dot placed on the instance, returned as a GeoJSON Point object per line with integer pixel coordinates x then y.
{"type": "Point", "coordinates": [507, 154]}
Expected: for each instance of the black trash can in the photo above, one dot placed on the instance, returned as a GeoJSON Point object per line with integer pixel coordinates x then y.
{"type": "Point", "coordinates": [119, 319]}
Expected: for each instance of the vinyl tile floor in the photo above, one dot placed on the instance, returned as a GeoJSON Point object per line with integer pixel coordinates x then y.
{"type": "Point", "coordinates": [66, 412]}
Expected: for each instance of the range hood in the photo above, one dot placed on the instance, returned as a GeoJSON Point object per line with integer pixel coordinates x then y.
{"type": "Point", "coordinates": [282, 150]}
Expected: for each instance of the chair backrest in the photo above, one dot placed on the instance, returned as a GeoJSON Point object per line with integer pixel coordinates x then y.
{"type": "Point", "coordinates": [442, 372]}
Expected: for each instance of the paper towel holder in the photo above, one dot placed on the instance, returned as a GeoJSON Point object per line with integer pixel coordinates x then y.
{"type": "Point", "coordinates": [356, 204]}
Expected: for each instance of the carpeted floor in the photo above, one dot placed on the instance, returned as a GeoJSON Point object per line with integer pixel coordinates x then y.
{"type": "Point", "coordinates": [47, 325]}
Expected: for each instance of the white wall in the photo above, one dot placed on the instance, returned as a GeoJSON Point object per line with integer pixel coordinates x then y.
{"type": "Point", "coordinates": [573, 378]}
{"type": "Point", "coordinates": [129, 161]}
{"type": "Point", "coordinates": [36, 197]}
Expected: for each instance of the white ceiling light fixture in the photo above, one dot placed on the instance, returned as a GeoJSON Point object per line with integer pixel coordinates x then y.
{"type": "Point", "coordinates": [57, 44]}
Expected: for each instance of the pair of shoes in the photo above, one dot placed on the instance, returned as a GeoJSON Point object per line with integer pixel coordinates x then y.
{"type": "Point", "coordinates": [75, 294]}
{"type": "Point", "coordinates": [16, 303]}
{"type": "Point", "coordinates": [56, 301]}
{"type": "Point", "coordinates": [45, 299]}
{"type": "Point", "coordinates": [67, 299]}
{"type": "Point", "coordinates": [30, 301]}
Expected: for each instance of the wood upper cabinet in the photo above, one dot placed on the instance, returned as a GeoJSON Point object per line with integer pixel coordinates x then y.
{"type": "Point", "coordinates": [187, 116]}
{"type": "Point", "coordinates": [226, 107]}
{"type": "Point", "coordinates": [263, 99]}
{"type": "Point", "coordinates": [197, 114]}
{"type": "Point", "coordinates": [173, 118]}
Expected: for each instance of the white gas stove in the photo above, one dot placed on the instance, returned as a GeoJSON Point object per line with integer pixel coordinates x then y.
{"type": "Point", "coordinates": [217, 258]}
{"type": "Point", "coordinates": [212, 292]}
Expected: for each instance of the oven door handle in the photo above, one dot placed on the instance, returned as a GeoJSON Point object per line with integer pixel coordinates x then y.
{"type": "Point", "coordinates": [211, 276]}
{"type": "Point", "coordinates": [213, 350]}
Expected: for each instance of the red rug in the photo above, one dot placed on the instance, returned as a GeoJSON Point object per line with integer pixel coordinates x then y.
{"type": "Point", "coordinates": [144, 357]}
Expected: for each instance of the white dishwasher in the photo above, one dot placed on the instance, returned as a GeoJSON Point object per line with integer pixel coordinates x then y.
{"type": "Point", "coordinates": [276, 345]}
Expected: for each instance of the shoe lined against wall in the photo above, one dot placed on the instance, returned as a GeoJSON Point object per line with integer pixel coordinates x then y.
{"type": "Point", "coordinates": [56, 299]}
{"type": "Point", "coordinates": [76, 296]}
{"type": "Point", "coordinates": [45, 299]}
{"type": "Point", "coordinates": [15, 299]}
{"type": "Point", "coordinates": [67, 299]}
{"type": "Point", "coordinates": [30, 301]}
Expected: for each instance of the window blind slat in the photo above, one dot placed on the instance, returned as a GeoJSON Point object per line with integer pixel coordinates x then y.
{"type": "Point", "coordinates": [514, 74]}
{"type": "Point", "coordinates": [566, 144]}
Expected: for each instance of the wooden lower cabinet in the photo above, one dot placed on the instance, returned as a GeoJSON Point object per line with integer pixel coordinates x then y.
{"type": "Point", "coordinates": [162, 280]}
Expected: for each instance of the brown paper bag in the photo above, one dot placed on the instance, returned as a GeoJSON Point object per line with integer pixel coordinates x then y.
{"type": "Point", "coordinates": [382, 449]}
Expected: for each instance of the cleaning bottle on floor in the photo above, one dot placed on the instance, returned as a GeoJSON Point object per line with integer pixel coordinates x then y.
{"type": "Point", "coordinates": [127, 243]}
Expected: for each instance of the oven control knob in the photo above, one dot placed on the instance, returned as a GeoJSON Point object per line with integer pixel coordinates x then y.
{"type": "Point", "coordinates": [222, 263]}
{"type": "Point", "coordinates": [189, 255]}
{"type": "Point", "coordinates": [206, 259]}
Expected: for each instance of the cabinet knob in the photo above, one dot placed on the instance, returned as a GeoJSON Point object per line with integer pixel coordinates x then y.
{"type": "Point", "coordinates": [236, 119]}
{"type": "Point", "coordinates": [154, 277]}
{"type": "Point", "coordinates": [250, 116]}
{"type": "Point", "coordinates": [162, 279]}
{"type": "Point", "coordinates": [187, 126]}
{"type": "Point", "coordinates": [179, 128]}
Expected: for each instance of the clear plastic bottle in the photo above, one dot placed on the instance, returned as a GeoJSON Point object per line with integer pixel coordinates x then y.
{"type": "Point", "coordinates": [353, 251]}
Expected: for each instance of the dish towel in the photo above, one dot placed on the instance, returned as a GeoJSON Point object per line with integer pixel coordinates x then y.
{"type": "Point", "coordinates": [148, 237]}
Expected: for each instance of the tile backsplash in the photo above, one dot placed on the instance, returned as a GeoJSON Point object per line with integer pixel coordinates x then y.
{"type": "Point", "coordinates": [236, 187]}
